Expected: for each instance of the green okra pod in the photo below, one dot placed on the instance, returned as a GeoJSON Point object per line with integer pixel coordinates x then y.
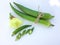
{"type": "Point", "coordinates": [29, 31]}
{"type": "Point", "coordinates": [24, 32]}
{"type": "Point", "coordinates": [33, 13]}
{"type": "Point", "coordinates": [30, 18]}
{"type": "Point", "coordinates": [18, 37]}
{"type": "Point", "coordinates": [20, 29]}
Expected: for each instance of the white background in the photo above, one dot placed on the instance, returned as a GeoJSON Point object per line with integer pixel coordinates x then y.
{"type": "Point", "coordinates": [41, 35]}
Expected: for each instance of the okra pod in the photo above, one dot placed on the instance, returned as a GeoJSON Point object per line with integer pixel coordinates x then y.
{"type": "Point", "coordinates": [30, 18]}
{"type": "Point", "coordinates": [20, 29]}
{"type": "Point", "coordinates": [33, 13]}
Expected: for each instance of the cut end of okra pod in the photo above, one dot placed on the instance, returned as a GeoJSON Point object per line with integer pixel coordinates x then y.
{"type": "Point", "coordinates": [52, 17]}
{"type": "Point", "coordinates": [12, 35]}
{"type": "Point", "coordinates": [10, 3]}
{"type": "Point", "coordinates": [51, 25]}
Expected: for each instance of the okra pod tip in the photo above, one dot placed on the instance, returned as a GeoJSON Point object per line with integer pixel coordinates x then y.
{"type": "Point", "coordinates": [51, 25]}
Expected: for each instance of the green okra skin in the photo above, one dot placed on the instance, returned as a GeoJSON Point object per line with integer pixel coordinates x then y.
{"type": "Point", "coordinates": [30, 18]}
{"type": "Point", "coordinates": [20, 29]}
{"type": "Point", "coordinates": [47, 16]}
{"type": "Point", "coordinates": [33, 13]}
{"type": "Point", "coordinates": [24, 32]}
{"type": "Point", "coordinates": [30, 31]}
{"type": "Point", "coordinates": [18, 36]}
